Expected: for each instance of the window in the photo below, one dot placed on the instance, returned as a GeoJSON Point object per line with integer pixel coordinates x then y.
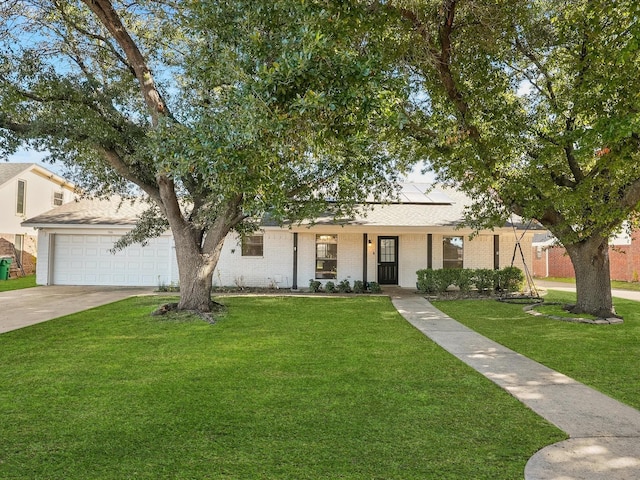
{"type": "Point", "coordinates": [452, 252]}
{"type": "Point", "coordinates": [252, 245]}
{"type": "Point", "coordinates": [20, 201]}
{"type": "Point", "coordinates": [58, 198]}
{"type": "Point", "coordinates": [326, 256]}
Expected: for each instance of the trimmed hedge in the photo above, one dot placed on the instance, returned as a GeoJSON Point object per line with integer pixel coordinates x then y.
{"type": "Point", "coordinates": [509, 279]}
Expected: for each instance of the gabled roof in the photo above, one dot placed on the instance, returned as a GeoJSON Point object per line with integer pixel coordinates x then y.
{"type": "Point", "coordinates": [9, 171]}
{"type": "Point", "coordinates": [87, 211]}
{"type": "Point", "coordinates": [418, 205]}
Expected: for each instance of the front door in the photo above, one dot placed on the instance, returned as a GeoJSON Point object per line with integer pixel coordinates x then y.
{"type": "Point", "coordinates": [388, 260]}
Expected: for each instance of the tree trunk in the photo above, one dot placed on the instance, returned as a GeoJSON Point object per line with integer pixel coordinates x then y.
{"type": "Point", "coordinates": [593, 279]}
{"type": "Point", "coordinates": [195, 273]}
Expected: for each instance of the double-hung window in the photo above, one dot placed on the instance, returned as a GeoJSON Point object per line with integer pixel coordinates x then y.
{"type": "Point", "coordinates": [58, 198]}
{"type": "Point", "coordinates": [253, 245]}
{"type": "Point", "coordinates": [452, 252]}
{"type": "Point", "coordinates": [326, 256]}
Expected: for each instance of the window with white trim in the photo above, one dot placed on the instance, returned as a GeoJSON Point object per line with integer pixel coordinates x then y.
{"type": "Point", "coordinates": [21, 198]}
{"type": "Point", "coordinates": [452, 252]}
{"type": "Point", "coordinates": [58, 198]}
{"type": "Point", "coordinates": [253, 245]}
{"type": "Point", "coordinates": [326, 256]}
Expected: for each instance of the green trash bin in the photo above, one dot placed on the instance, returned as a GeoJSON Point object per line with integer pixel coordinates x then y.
{"type": "Point", "coordinates": [5, 265]}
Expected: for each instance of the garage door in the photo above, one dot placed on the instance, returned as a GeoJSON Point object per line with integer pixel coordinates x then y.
{"type": "Point", "coordinates": [86, 260]}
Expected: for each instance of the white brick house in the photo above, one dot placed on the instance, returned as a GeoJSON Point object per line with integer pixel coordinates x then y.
{"type": "Point", "coordinates": [386, 244]}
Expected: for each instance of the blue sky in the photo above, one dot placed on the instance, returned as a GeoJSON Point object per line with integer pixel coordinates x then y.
{"type": "Point", "coordinates": [31, 156]}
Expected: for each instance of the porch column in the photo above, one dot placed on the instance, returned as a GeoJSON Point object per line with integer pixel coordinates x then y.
{"type": "Point", "coordinates": [365, 257]}
{"type": "Point", "coordinates": [294, 283]}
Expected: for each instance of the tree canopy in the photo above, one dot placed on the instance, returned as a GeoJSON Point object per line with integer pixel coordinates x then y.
{"type": "Point", "coordinates": [533, 108]}
{"type": "Point", "coordinates": [218, 111]}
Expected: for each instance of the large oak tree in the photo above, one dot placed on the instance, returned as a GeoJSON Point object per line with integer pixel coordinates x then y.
{"type": "Point", "coordinates": [532, 107]}
{"type": "Point", "coordinates": [219, 112]}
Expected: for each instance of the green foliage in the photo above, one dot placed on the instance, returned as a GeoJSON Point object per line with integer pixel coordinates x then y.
{"type": "Point", "coordinates": [532, 109]}
{"type": "Point", "coordinates": [315, 286]}
{"type": "Point", "coordinates": [427, 280]}
{"type": "Point", "coordinates": [227, 110]}
{"type": "Point", "coordinates": [509, 279]}
{"type": "Point", "coordinates": [329, 287]}
{"type": "Point", "coordinates": [344, 286]}
{"type": "Point", "coordinates": [484, 279]}
{"type": "Point", "coordinates": [374, 287]}
{"type": "Point", "coordinates": [465, 279]}
{"type": "Point", "coordinates": [358, 286]}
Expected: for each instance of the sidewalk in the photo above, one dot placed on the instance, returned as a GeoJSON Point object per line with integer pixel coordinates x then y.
{"type": "Point", "coordinates": [604, 434]}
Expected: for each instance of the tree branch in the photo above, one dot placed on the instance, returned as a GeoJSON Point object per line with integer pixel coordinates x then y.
{"type": "Point", "coordinates": [110, 19]}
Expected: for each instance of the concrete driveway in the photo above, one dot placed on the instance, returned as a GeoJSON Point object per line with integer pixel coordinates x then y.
{"type": "Point", "coordinates": [21, 308]}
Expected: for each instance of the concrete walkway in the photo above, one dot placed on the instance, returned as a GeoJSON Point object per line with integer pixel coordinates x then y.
{"type": "Point", "coordinates": [21, 308]}
{"type": "Point", "coordinates": [605, 434]}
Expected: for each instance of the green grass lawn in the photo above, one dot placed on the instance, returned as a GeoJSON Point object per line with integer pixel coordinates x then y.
{"type": "Point", "coordinates": [17, 283]}
{"type": "Point", "coordinates": [278, 388]}
{"type": "Point", "coordinates": [602, 356]}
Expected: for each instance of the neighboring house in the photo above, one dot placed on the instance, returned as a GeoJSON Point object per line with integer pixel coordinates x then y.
{"type": "Point", "coordinates": [386, 244]}
{"type": "Point", "coordinates": [550, 259]}
{"type": "Point", "coordinates": [26, 190]}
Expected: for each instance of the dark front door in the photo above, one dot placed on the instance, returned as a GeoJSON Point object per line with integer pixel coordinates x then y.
{"type": "Point", "coordinates": [388, 260]}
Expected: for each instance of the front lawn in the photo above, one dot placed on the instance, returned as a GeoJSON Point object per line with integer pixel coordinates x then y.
{"type": "Point", "coordinates": [279, 388]}
{"type": "Point", "coordinates": [602, 356]}
{"type": "Point", "coordinates": [18, 283]}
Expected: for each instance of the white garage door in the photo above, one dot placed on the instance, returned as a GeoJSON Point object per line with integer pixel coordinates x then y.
{"type": "Point", "coordinates": [86, 260]}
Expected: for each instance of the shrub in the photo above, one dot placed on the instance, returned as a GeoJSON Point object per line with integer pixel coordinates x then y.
{"type": "Point", "coordinates": [374, 287]}
{"type": "Point", "coordinates": [358, 286]}
{"type": "Point", "coordinates": [445, 278]}
{"type": "Point", "coordinates": [510, 279]}
{"type": "Point", "coordinates": [464, 279]}
{"type": "Point", "coordinates": [427, 281]}
{"type": "Point", "coordinates": [329, 287]}
{"type": "Point", "coordinates": [344, 286]}
{"type": "Point", "coordinates": [315, 286]}
{"type": "Point", "coordinates": [484, 279]}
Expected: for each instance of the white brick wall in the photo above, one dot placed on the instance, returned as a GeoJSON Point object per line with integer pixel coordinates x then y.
{"type": "Point", "coordinates": [275, 267]}
{"type": "Point", "coordinates": [412, 256]}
